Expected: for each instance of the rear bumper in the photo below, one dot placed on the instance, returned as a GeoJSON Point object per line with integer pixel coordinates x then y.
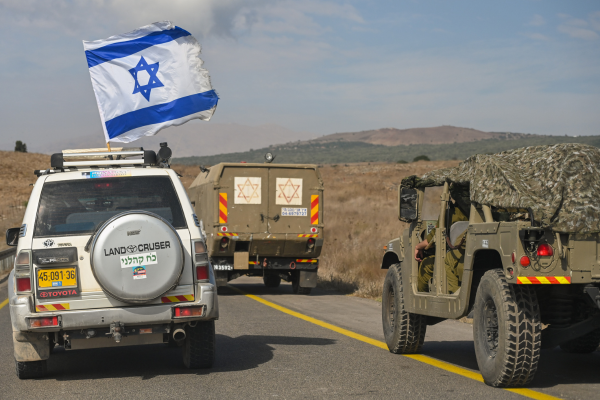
{"type": "Point", "coordinates": [22, 309]}
{"type": "Point", "coordinates": [278, 263]}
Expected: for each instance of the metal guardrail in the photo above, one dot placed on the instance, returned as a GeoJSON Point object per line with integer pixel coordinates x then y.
{"type": "Point", "coordinates": [7, 259]}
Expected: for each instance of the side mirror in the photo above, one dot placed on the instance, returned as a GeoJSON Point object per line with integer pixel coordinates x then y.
{"type": "Point", "coordinates": [12, 236]}
{"type": "Point", "coordinates": [407, 207]}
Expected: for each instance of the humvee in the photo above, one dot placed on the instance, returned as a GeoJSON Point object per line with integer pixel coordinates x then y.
{"type": "Point", "coordinates": [262, 220]}
{"type": "Point", "coordinates": [531, 253]}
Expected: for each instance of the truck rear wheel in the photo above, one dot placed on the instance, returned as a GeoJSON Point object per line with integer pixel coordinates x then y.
{"type": "Point", "coordinates": [199, 345]}
{"type": "Point", "coordinates": [586, 344]}
{"type": "Point", "coordinates": [404, 332]}
{"type": "Point", "coordinates": [271, 281]}
{"type": "Point", "coordinates": [506, 330]}
{"type": "Point", "coordinates": [30, 369]}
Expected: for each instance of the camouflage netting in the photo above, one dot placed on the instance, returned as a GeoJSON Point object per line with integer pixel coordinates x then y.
{"type": "Point", "coordinates": [560, 183]}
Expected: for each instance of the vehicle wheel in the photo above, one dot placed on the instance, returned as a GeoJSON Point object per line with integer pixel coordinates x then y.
{"type": "Point", "coordinates": [585, 344]}
{"type": "Point", "coordinates": [31, 369]}
{"type": "Point", "coordinates": [199, 345]}
{"type": "Point", "coordinates": [404, 332]}
{"type": "Point", "coordinates": [506, 330]}
{"type": "Point", "coordinates": [271, 281]}
{"type": "Point", "coordinates": [296, 288]}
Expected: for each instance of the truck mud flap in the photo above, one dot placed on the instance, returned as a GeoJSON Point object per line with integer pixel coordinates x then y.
{"type": "Point", "coordinates": [31, 346]}
{"type": "Point", "coordinates": [308, 279]}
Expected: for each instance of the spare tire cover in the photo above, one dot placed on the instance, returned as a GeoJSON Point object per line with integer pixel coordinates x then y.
{"type": "Point", "coordinates": [137, 256]}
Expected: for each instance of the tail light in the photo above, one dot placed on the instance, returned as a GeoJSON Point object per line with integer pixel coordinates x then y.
{"type": "Point", "coordinates": [201, 262]}
{"type": "Point", "coordinates": [544, 250]}
{"type": "Point", "coordinates": [23, 272]}
{"type": "Point", "coordinates": [202, 273]}
{"type": "Point", "coordinates": [525, 261]}
{"type": "Point", "coordinates": [189, 311]}
{"type": "Point", "coordinates": [42, 322]}
{"type": "Point", "coordinates": [311, 243]}
{"type": "Point", "coordinates": [224, 243]}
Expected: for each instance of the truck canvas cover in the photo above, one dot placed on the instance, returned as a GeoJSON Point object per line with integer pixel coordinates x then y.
{"type": "Point", "coordinates": [559, 183]}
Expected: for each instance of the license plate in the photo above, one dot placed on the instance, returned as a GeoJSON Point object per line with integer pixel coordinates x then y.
{"type": "Point", "coordinates": [223, 267]}
{"type": "Point", "coordinates": [56, 278]}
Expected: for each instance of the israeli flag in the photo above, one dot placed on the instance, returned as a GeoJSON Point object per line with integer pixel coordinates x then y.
{"type": "Point", "coordinates": [148, 79]}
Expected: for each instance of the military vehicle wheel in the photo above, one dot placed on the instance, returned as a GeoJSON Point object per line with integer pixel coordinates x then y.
{"type": "Point", "coordinates": [272, 281]}
{"type": "Point", "coordinates": [199, 345]}
{"type": "Point", "coordinates": [585, 344]}
{"type": "Point", "coordinates": [404, 332]}
{"type": "Point", "coordinates": [506, 330]}
{"type": "Point", "coordinates": [30, 369]}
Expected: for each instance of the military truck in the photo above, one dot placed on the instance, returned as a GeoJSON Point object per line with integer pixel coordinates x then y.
{"type": "Point", "coordinates": [262, 220]}
{"type": "Point", "coordinates": [529, 266]}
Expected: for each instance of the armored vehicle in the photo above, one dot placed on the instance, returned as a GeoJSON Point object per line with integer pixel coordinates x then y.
{"type": "Point", "coordinates": [110, 254]}
{"type": "Point", "coordinates": [513, 237]}
{"type": "Point", "coordinates": [262, 220]}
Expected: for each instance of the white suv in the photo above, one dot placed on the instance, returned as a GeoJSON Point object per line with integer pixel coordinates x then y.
{"type": "Point", "coordinates": [110, 253]}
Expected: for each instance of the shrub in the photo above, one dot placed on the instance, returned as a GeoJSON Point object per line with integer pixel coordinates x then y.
{"type": "Point", "coordinates": [401, 162]}
{"type": "Point", "coordinates": [421, 157]}
{"type": "Point", "coordinates": [20, 147]}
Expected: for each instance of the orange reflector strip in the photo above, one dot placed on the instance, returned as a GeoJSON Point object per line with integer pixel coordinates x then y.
{"type": "Point", "coordinates": [226, 234]}
{"type": "Point", "coordinates": [308, 235]}
{"type": "Point", "coordinates": [306, 260]}
{"type": "Point", "coordinates": [52, 307]}
{"type": "Point", "coordinates": [222, 208]}
{"type": "Point", "coordinates": [544, 280]}
{"type": "Point", "coordinates": [314, 209]}
{"type": "Point", "coordinates": [177, 299]}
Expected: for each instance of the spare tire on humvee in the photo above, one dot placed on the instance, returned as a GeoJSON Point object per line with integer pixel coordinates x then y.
{"type": "Point", "coordinates": [512, 237]}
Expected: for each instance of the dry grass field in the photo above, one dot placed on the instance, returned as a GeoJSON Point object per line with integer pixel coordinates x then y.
{"type": "Point", "coordinates": [360, 213]}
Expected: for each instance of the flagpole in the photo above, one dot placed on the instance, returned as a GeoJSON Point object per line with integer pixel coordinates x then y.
{"type": "Point", "coordinates": [108, 145]}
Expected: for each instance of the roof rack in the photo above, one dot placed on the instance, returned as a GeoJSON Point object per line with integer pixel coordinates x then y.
{"type": "Point", "coordinates": [95, 157]}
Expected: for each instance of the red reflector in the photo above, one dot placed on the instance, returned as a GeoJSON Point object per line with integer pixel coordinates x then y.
{"type": "Point", "coordinates": [544, 250]}
{"type": "Point", "coordinates": [202, 273]}
{"type": "Point", "coordinates": [513, 257]}
{"type": "Point", "coordinates": [45, 321]}
{"type": "Point", "coordinates": [23, 285]}
{"type": "Point", "coordinates": [525, 261]}
{"type": "Point", "coordinates": [189, 311]}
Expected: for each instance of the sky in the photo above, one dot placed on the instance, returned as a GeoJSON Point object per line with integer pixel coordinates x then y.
{"type": "Point", "coordinates": [529, 66]}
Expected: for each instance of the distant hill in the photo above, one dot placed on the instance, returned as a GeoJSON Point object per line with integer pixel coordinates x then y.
{"type": "Point", "coordinates": [348, 152]}
{"type": "Point", "coordinates": [436, 135]}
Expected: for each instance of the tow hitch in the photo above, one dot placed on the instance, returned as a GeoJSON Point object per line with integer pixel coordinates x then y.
{"type": "Point", "coordinates": [116, 330]}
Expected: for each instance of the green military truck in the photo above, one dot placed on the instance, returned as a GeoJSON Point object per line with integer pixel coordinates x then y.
{"type": "Point", "coordinates": [262, 220]}
{"type": "Point", "coordinates": [527, 257]}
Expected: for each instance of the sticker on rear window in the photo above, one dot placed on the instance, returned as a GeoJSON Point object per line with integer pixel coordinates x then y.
{"type": "Point", "coordinates": [293, 212]}
{"type": "Point", "coordinates": [138, 260]}
{"type": "Point", "coordinates": [105, 174]}
{"type": "Point", "coordinates": [139, 273]}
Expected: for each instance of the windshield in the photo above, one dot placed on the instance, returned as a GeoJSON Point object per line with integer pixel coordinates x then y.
{"type": "Point", "coordinates": [78, 207]}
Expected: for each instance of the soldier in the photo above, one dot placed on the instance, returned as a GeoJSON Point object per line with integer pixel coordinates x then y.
{"type": "Point", "coordinates": [454, 260]}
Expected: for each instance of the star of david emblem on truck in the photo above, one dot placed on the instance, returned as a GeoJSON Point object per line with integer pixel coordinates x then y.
{"type": "Point", "coordinates": [289, 191]}
{"type": "Point", "coordinates": [248, 191]}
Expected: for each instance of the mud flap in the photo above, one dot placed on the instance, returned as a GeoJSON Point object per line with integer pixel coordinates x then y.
{"type": "Point", "coordinates": [241, 260]}
{"type": "Point", "coordinates": [308, 279]}
{"type": "Point", "coordinates": [31, 346]}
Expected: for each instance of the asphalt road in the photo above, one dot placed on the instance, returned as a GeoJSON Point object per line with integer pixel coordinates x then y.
{"type": "Point", "coordinates": [264, 352]}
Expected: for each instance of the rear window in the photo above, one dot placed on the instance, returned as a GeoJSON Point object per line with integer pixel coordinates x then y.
{"type": "Point", "coordinates": [78, 207]}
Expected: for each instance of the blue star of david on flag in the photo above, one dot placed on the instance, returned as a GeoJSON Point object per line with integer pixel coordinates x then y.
{"type": "Point", "coordinates": [182, 93]}
{"type": "Point", "coordinates": [153, 81]}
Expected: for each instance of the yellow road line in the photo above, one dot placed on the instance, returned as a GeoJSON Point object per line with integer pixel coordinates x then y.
{"type": "Point", "coordinates": [418, 357]}
{"type": "Point", "coordinates": [5, 302]}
